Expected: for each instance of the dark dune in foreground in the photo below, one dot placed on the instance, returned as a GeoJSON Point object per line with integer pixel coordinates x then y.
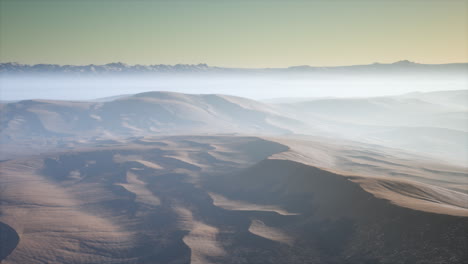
{"type": "Point", "coordinates": [225, 199]}
{"type": "Point", "coordinates": [8, 240]}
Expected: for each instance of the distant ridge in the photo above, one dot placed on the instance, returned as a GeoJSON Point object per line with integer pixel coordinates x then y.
{"type": "Point", "coordinates": [119, 67]}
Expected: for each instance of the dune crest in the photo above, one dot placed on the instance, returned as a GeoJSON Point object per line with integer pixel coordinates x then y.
{"type": "Point", "coordinates": [138, 187]}
{"type": "Point", "coordinates": [259, 228]}
{"type": "Point", "coordinates": [234, 205]}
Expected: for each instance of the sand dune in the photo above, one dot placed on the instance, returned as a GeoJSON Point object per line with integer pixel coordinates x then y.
{"type": "Point", "coordinates": [353, 158]}
{"type": "Point", "coordinates": [50, 223]}
{"type": "Point", "coordinates": [432, 124]}
{"type": "Point", "coordinates": [140, 114]}
{"type": "Point", "coordinates": [259, 228]}
{"type": "Point", "coordinates": [9, 240]}
{"type": "Point", "coordinates": [273, 200]}
{"type": "Point", "coordinates": [82, 206]}
{"type": "Point", "coordinates": [143, 195]}
{"type": "Point", "coordinates": [364, 212]}
{"type": "Point", "coordinates": [137, 159]}
{"type": "Point", "coordinates": [201, 238]}
{"type": "Point", "coordinates": [420, 196]}
{"type": "Point", "coordinates": [227, 204]}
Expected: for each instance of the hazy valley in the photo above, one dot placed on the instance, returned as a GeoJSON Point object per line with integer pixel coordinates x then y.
{"type": "Point", "coordinates": [434, 124]}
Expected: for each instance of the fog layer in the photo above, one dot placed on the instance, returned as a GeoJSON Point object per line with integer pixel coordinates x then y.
{"type": "Point", "coordinates": [258, 87]}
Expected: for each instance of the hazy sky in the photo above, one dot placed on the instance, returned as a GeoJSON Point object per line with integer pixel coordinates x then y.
{"type": "Point", "coordinates": [241, 33]}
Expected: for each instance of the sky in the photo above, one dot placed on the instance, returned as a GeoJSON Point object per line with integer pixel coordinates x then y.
{"type": "Point", "coordinates": [247, 34]}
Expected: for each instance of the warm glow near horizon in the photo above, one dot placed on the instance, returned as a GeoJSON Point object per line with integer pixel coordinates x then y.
{"type": "Point", "coordinates": [233, 34]}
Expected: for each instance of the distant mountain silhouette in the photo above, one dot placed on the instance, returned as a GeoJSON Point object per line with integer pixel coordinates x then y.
{"type": "Point", "coordinates": [119, 67]}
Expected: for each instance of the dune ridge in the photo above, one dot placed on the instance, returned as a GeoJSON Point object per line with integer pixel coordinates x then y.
{"type": "Point", "coordinates": [201, 238]}
{"type": "Point", "coordinates": [259, 228]}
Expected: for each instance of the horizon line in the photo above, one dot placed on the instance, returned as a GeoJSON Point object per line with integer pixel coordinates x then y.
{"type": "Point", "coordinates": [207, 65]}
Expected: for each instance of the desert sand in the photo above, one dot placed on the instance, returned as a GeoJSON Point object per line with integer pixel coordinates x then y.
{"type": "Point", "coordinates": [211, 199]}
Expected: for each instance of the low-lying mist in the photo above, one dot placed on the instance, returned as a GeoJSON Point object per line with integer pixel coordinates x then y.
{"type": "Point", "coordinates": [258, 87]}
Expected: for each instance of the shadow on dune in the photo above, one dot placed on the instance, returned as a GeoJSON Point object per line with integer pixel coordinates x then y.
{"type": "Point", "coordinates": [338, 221]}
{"type": "Point", "coordinates": [9, 239]}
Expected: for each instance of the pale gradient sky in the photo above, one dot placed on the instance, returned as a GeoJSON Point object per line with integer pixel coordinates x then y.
{"type": "Point", "coordinates": [256, 33]}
